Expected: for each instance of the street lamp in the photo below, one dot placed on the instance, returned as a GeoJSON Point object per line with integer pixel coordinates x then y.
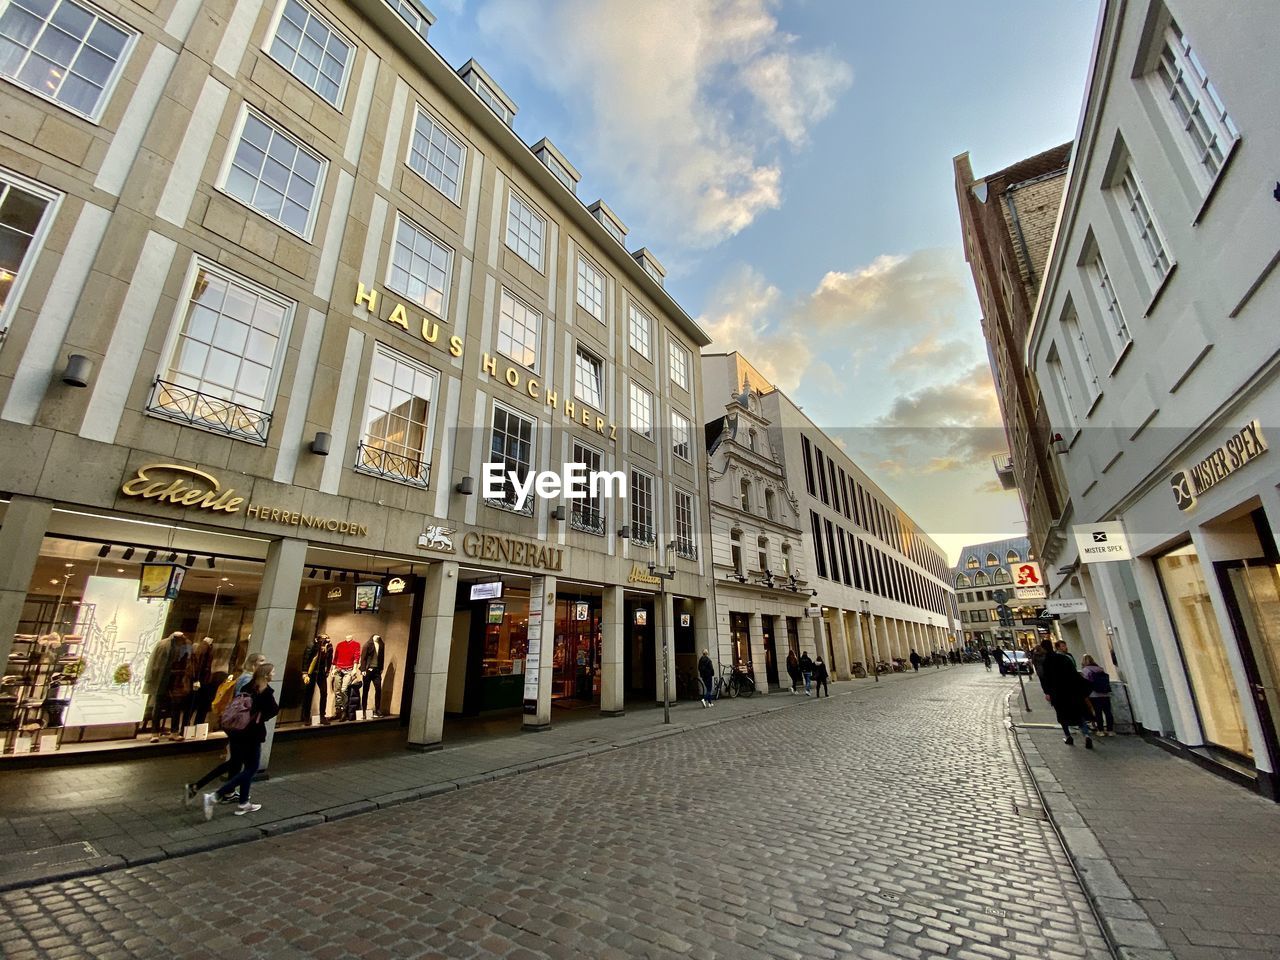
{"type": "Point", "coordinates": [664, 576]}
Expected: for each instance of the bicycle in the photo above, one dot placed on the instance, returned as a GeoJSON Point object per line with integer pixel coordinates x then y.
{"type": "Point", "coordinates": [736, 684]}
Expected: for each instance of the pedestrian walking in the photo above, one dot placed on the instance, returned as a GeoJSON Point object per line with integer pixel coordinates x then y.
{"type": "Point", "coordinates": [1104, 721]}
{"type": "Point", "coordinates": [246, 743]}
{"type": "Point", "coordinates": [806, 671]}
{"type": "Point", "coordinates": [707, 674]}
{"type": "Point", "coordinates": [227, 691]}
{"type": "Point", "coordinates": [820, 678]}
{"type": "Point", "coordinates": [915, 661]}
{"type": "Point", "coordinates": [986, 657]}
{"type": "Point", "coordinates": [1067, 691]}
{"type": "Point", "coordinates": [793, 669]}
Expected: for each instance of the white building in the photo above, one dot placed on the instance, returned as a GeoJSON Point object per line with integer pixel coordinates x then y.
{"type": "Point", "coordinates": [1156, 342]}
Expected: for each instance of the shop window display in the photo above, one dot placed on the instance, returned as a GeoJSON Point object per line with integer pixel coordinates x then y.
{"type": "Point", "coordinates": [576, 656]}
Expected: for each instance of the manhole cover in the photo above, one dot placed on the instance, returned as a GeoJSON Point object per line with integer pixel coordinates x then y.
{"type": "Point", "coordinates": [1031, 813]}
{"type": "Point", "coordinates": [63, 853]}
{"type": "Point", "coordinates": [590, 742]}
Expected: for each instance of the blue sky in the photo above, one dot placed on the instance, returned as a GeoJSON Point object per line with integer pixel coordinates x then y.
{"type": "Point", "coordinates": [790, 164]}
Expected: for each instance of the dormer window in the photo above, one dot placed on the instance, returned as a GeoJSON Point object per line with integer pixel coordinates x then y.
{"type": "Point", "coordinates": [651, 265]}
{"type": "Point", "coordinates": [414, 13]}
{"type": "Point", "coordinates": [555, 161]}
{"type": "Point", "coordinates": [609, 220]}
{"type": "Point", "coordinates": [490, 94]}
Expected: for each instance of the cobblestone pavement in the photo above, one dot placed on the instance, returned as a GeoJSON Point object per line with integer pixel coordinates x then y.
{"type": "Point", "coordinates": [1190, 864]}
{"type": "Point", "coordinates": [879, 824]}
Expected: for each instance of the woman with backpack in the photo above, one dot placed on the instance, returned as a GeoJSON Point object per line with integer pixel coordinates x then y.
{"type": "Point", "coordinates": [227, 691]}
{"type": "Point", "coordinates": [245, 722]}
{"type": "Point", "coordinates": [1104, 721]}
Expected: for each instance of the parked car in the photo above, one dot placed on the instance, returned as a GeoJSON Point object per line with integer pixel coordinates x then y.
{"type": "Point", "coordinates": [1015, 661]}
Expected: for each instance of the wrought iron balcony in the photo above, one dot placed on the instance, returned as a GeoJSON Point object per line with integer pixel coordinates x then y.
{"type": "Point", "coordinates": [508, 503]}
{"type": "Point", "coordinates": [198, 409]}
{"type": "Point", "coordinates": [587, 519]}
{"type": "Point", "coordinates": [686, 549]}
{"type": "Point", "coordinates": [642, 534]}
{"type": "Point", "coordinates": [392, 466]}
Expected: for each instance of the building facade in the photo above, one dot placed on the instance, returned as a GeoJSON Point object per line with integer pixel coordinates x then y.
{"type": "Point", "coordinates": [1156, 342]}
{"type": "Point", "coordinates": [763, 608]}
{"type": "Point", "coordinates": [883, 588]}
{"type": "Point", "coordinates": [984, 570]}
{"type": "Point", "coordinates": [281, 285]}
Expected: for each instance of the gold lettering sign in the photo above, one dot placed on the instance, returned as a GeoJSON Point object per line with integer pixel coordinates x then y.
{"type": "Point", "coordinates": [427, 328]}
{"type": "Point", "coordinates": [579, 414]}
{"type": "Point", "coordinates": [640, 575]}
{"type": "Point", "coordinates": [294, 518]}
{"type": "Point", "coordinates": [524, 553]}
{"type": "Point", "coordinates": [181, 486]}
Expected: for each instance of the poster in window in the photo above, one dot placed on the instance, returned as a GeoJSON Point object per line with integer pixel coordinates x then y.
{"type": "Point", "coordinates": [368, 597]}
{"type": "Point", "coordinates": [497, 610]}
{"type": "Point", "coordinates": [160, 581]}
{"type": "Point", "coordinates": [685, 619]}
{"type": "Point", "coordinates": [581, 610]}
{"type": "Point", "coordinates": [642, 616]}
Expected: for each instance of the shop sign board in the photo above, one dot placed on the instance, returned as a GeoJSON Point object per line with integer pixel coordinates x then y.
{"type": "Point", "coordinates": [685, 619]}
{"type": "Point", "coordinates": [1028, 584]}
{"type": "Point", "coordinates": [521, 553]}
{"type": "Point", "coordinates": [581, 610]}
{"type": "Point", "coordinates": [486, 591]}
{"type": "Point", "coordinates": [160, 581]}
{"type": "Point", "coordinates": [397, 585]}
{"type": "Point", "coordinates": [642, 617]}
{"type": "Point", "coordinates": [639, 574]}
{"type": "Point", "coordinates": [1066, 605]}
{"type": "Point", "coordinates": [1242, 447]}
{"type": "Point", "coordinates": [1101, 542]}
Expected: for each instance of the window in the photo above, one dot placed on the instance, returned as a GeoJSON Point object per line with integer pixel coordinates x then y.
{"type": "Point", "coordinates": [993, 560]}
{"type": "Point", "coordinates": [831, 551]}
{"type": "Point", "coordinates": [587, 513]}
{"type": "Point", "coordinates": [311, 50]}
{"type": "Point", "coordinates": [680, 436]}
{"type": "Point", "coordinates": [844, 557]}
{"type": "Point", "coordinates": [751, 439]}
{"type": "Point", "coordinates": [678, 358]}
{"type": "Point", "coordinates": [640, 327]}
{"type": "Point", "coordinates": [807, 452]}
{"type": "Point", "coordinates": [414, 14]}
{"type": "Point", "coordinates": [63, 51]}
{"type": "Point", "coordinates": [436, 155]}
{"type": "Point", "coordinates": [420, 267]}
{"type": "Point", "coordinates": [525, 230]}
{"type": "Point", "coordinates": [822, 476]}
{"type": "Point", "coordinates": [642, 531]}
{"type": "Point", "coordinates": [972, 562]}
{"type": "Point", "coordinates": [1143, 225]}
{"type": "Point", "coordinates": [590, 289]}
{"type": "Point", "coordinates": [489, 97]}
{"type": "Point", "coordinates": [588, 378]}
{"type": "Point", "coordinates": [815, 528]}
{"type": "Point", "coordinates": [518, 325]}
{"type": "Point", "coordinates": [980, 579]}
{"type": "Point", "coordinates": [1083, 359]}
{"type": "Point", "coordinates": [511, 446]}
{"type": "Point", "coordinates": [397, 425]}
{"type": "Point", "coordinates": [770, 508]}
{"type": "Point", "coordinates": [735, 553]}
{"type": "Point", "coordinates": [641, 411]}
{"type": "Point", "coordinates": [762, 554]}
{"type": "Point", "coordinates": [1196, 106]}
{"type": "Point", "coordinates": [274, 174]}
{"type": "Point", "coordinates": [559, 171]}
{"type": "Point", "coordinates": [1119, 330]}
{"type": "Point", "coordinates": [786, 560]}
{"type": "Point", "coordinates": [225, 358]}
{"type": "Point", "coordinates": [23, 225]}
{"type": "Point", "coordinates": [744, 495]}
{"type": "Point", "coordinates": [1012, 557]}
{"type": "Point", "coordinates": [685, 546]}
{"type": "Point", "coordinates": [1001, 576]}
{"type": "Point", "coordinates": [1062, 387]}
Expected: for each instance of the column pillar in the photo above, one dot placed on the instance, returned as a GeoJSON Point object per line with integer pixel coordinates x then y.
{"type": "Point", "coordinates": [538, 676]}
{"type": "Point", "coordinates": [875, 642]}
{"type": "Point", "coordinates": [612, 657]}
{"type": "Point", "coordinates": [842, 647]}
{"type": "Point", "coordinates": [431, 668]}
{"type": "Point", "coordinates": [755, 637]}
{"type": "Point", "coordinates": [808, 635]}
{"type": "Point", "coordinates": [860, 638]}
{"type": "Point", "coordinates": [664, 614]}
{"type": "Point", "coordinates": [273, 617]}
{"type": "Point", "coordinates": [705, 629]}
{"type": "Point", "coordinates": [25, 522]}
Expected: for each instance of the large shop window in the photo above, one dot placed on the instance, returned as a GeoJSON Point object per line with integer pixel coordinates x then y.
{"type": "Point", "coordinates": [397, 432]}
{"type": "Point", "coordinates": [25, 212]}
{"type": "Point", "coordinates": [225, 356]}
{"type": "Point", "coordinates": [1203, 653]}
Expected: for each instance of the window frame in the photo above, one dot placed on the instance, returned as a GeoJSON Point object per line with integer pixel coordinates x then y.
{"type": "Point", "coordinates": [677, 350]}
{"type": "Point", "coordinates": [108, 88]}
{"type": "Point", "coordinates": [1147, 237]}
{"type": "Point", "coordinates": [421, 112]}
{"type": "Point", "coordinates": [391, 263]}
{"type": "Point", "coordinates": [1119, 336]}
{"type": "Point", "coordinates": [514, 199]}
{"type": "Point", "coordinates": [676, 429]}
{"type": "Point", "coordinates": [10, 180]}
{"type": "Point", "coordinates": [591, 267]}
{"type": "Point", "coordinates": [637, 498]}
{"type": "Point", "coordinates": [537, 339]}
{"type": "Point", "coordinates": [632, 313]}
{"type": "Point", "coordinates": [588, 514]}
{"type": "Point", "coordinates": [689, 543]}
{"type": "Point", "coordinates": [1217, 121]}
{"type": "Point", "coordinates": [633, 387]}
{"type": "Point", "coordinates": [511, 411]}
{"type": "Point", "coordinates": [233, 144]}
{"type": "Point", "coordinates": [581, 353]}
{"type": "Point", "coordinates": [428, 434]}
{"type": "Point", "coordinates": [269, 44]}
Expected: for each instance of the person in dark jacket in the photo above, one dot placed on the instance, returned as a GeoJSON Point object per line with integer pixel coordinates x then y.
{"type": "Point", "coordinates": [246, 744]}
{"type": "Point", "coordinates": [1067, 691]}
{"type": "Point", "coordinates": [806, 671]}
{"type": "Point", "coordinates": [707, 674]}
{"type": "Point", "coordinates": [915, 661]}
{"type": "Point", "coordinates": [986, 657]}
{"type": "Point", "coordinates": [820, 677]}
{"type": "Point", "coordinates": [1104, 721]}
{"type": "Point", "coordinates": [793, 669]}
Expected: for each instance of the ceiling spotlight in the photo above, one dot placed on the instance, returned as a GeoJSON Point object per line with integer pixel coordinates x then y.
{"type": "Point", "coordinates": [328, 574]}
{"type": "Point", "coordinates": [173, 557]}
{"type": "Point", "coordinates": [342, 577]}
{"type": "Point", "coordinates": [128, 554]}
{"type": "Point", "coordinates": [151, 556]}
{"type": "Point", "coordinates": [191, 559]}
{"type": "Point", "coordinates": [209, 562]}
{"type": "Point", "coordinates": [311, 574]}
{"type": "Point", "coordinates": [104, 549]}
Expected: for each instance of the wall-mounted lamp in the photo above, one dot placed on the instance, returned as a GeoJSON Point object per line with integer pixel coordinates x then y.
{"type": "Point", "coordinates": [78, 370]}
{"type": "Point", "coordinates": [311, 574]}
{"type": "Point", "coordinates": [813, 593]}
{"type": "Point", "coordinates": [328, 574]}
{"type": "Point", "coordinates": [466, 486]}
{"type": "Point", "coordinates": [173, 557]}
{"type": "Point", "coordinates": [559, 513]}
{"type": "Point", "coordinates": [320, 443]}
{"type": "Point", "coordinates": [624, 533]}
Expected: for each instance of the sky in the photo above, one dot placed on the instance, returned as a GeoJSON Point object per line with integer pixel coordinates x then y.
{"type": "Point", "coordinates": [790, 164]}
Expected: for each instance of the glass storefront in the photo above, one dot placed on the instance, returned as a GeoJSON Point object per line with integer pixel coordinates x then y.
{"type": "Point", "coordinates": [576, 655]}
{"type": "Point", "coordinates": [1212, 685]}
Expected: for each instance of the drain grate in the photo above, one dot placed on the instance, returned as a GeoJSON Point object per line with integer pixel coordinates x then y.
{"type": "Point", "coordinates": [1031, 813]}
{"type": "Point", "coordinates": [56, 856]}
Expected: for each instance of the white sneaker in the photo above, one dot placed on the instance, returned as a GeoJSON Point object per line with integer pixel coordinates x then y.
{"type": "Point", "coordinates": [210, 801]}
{"type": "Point", "coordinates": [188, 794]}
{"type": "Point", "coordinates": [243, 808]}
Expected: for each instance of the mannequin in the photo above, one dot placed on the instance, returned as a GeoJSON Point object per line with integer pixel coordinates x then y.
{"type": "Point", "coordinates": [345, 674]}
{"type": "Point", "coordinates": [317, 661]}
{"type": "Point", "coordinates": [179, 682]}
{"type": "Point", "coordinates": [372, 660]}
{"type": "Point", "coordinates": [199, 675]}
{"type": "Point", "coordinates": [155, 685]}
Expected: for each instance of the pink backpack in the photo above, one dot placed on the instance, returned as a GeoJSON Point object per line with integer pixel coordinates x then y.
{"type": "Point", "coordinates": [238, 715]}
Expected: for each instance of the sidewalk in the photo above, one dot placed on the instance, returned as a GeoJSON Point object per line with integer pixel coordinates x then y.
{"type": "Point", "coordinates": [63, 822]}
{"type": "Point", "coordinates": [1178, 862]}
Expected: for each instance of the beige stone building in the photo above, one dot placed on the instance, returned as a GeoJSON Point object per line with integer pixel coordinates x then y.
{"type": "Point", "coordinates": [279, 283]}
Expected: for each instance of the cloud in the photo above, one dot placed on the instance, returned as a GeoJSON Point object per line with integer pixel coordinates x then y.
{"type": "Point", "coordinates": [929, 353]}
{"type": "Point", "coordinates": [686, 102]}
{"type": "Point", "coordinates": [893, 293]}
{"type": "Point", "coordinates": [749, 316]}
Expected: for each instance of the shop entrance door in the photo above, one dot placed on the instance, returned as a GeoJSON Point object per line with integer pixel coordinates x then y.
{"type": "Point", "coordinates": [770, 653]}
{"type": "Point", "coordinates": [639, 656]}
{"type": "Point", "coordinates": [740, 634]}
{"type": "Point", "coordinates": [576, 656]}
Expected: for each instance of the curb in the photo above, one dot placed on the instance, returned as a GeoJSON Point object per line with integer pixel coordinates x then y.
{"type": "Point", "coordinates": [274, 828]}
{"type": "Point", "coordinates": [1124, 922]}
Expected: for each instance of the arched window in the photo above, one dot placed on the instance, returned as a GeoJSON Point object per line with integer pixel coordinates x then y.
{"type": "Point", "coordinates": [971, 563]}
{"type": "Point", "coordinates": [751, 439]}
{"type": "Point", "coordinates": [992, 560]}
{"type": "Point", "coordinates": [1002, 576]}
{"type": "Point", "coordinates": [962, 580]}
{"type": "Point", "coordinates": [735, 550]}
{"type": "Point", "coordinates": [786, 560]}
{"type": "Point", "coordinates": [745, 501]}
{"type": "Point", "coordinates": [980, 579]}
{"type": "Point", "coordinates": [762, 554]}
{"type": "Point", "coordinates": [1012, 557]}
{"type": "Point", "coordinates": [769, 506]}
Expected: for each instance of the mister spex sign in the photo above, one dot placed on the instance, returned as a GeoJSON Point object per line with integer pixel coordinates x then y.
{"type": "Point", "coordinates": [1243, 446]}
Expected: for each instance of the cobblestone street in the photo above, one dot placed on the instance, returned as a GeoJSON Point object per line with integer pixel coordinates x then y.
{"type": "Point", "coordinates": [876, 824]}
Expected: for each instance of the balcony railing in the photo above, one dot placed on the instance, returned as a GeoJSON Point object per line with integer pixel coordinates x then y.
{"type": "Point", "coordinates": [508, 503]}
{"type": "Point", "coordinates": [642, 534]}
{"type": "Point", "coordinates": [198, 409]}
{"type": "Point", "coordinates": [392, 466]}
{"type": "Point", "coordinates": [587, 519]}
{"type": "Point", "coordinates": [686, 549]}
